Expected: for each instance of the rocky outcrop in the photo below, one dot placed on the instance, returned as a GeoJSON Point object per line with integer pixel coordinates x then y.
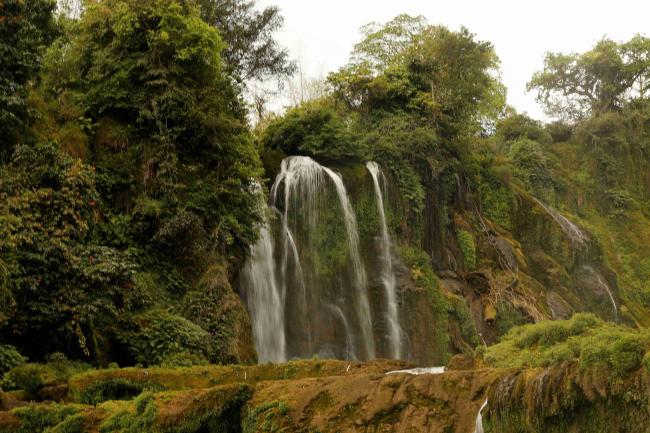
{"type": "Point", "coordinates": [336, 396]}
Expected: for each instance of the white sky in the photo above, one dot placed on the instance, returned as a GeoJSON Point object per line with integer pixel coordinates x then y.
{"type": "Point", "coordinates": [321, 33]}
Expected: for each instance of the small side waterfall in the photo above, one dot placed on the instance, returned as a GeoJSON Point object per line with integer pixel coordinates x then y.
{"type": "Point", "coordinates": [479, 418]}
{"type": "Point", "coordinates": [611, 297]}
{"type": "Point", "coordinates": [387, 275]}
{"type": "Point", "coordinates": [599, 279]}
{"type": "Point", "coordinates": [265, 300]}
{"type": "Point", "coordinates": [577, 235]}
{"type": "Point", "coordinates": [584, 273]}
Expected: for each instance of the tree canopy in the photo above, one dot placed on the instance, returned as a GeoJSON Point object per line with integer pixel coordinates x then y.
{"type": "Point", "coordinates": [26, 28]}
{"type": "Point", "coordinates": [576, 85]}
{"type": "Point", "coordinates": [251, 52]}
{"type": "Point", "coordinates": [141, 175]}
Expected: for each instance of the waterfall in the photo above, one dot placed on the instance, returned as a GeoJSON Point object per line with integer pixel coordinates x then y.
{"type": "Point", "coordinates": [611, 297]}
{"type": "Point", "coordinates": [479, 418]}
{"type": "Point", "coordinates": [577, 236]}
{"type": "Point", "coordinates": [604, 285]}
{"type": "Point", "coordinates": [387, 275]}
{"type": "Point", "coordinates": [349, 347]}
{"type": "Point", "coordinates": [265, 300]}
{"type": "Point", "coordinates": [323, 306]}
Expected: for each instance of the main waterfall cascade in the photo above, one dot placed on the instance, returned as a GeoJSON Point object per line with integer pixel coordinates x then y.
{"type": "Point", "coordinates": [305, 282]}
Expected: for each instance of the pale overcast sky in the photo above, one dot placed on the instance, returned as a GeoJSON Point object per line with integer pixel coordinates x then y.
{"type": "Point", "coordinates": [320, 34]}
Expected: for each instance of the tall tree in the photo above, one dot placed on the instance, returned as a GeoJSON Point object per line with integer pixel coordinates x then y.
{"type": "Point", "coordinates": [384, 44]}
{"type": "Point", "coordinates": [251, 52]}
{"type": "Point", "coordinates": [573, 86]}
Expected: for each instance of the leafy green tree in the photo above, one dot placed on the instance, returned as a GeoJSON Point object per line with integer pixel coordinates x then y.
{"type": "Point", "coordinates": [518, 126]}
{"type": "Point", "coordinates": [26, 27]}
{"type": "Point", "coordinates": [383, 45]}
{"type": "Point", "coordinates": [61, 286]}
{"type": "Point", "coordinates": [457, 78]}
{"type": "Point", "coordinates": [313, 129]}
{"type": "Point", "coordinates": [152, 72]}
{"type": "Point", "coordinates": [574, 86]}
{"type": "Point", "coordinates": [251, 52]}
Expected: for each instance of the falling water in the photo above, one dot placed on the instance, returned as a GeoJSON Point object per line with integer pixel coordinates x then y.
{"type": "Point", "coordinates": [317, 309]}
{"type": "Point", "coordinates": [349, 347]}
{"type": "Point", "coordinates": [611, 297]}
{"type": "Point", "coordinates": [479, 418]}
{"type": "Point", "coordinates": [265, 300]}
{"type": "Point", "coordinates": [577, 236]}
{"type": "Point", "coordinates": [387, 275]}
{"type": "Point", "coordinates": [604, 285]}
{"type": "Point", "coordinates": [420, 370]}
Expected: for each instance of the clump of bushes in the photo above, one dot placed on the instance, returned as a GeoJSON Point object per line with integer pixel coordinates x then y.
{"type": "Point", "coordinates": [33, 377]}
{"type": "Point", "coordinates": [39, 418]}
{"type": "Point", "coordinates": [153, 336]}
{"type": "Point", "coordinates": [116, 388]}
{"type": "Point", "coordinates": [10, 358]}
{"type": "Point", "coordinates": [584, 339]}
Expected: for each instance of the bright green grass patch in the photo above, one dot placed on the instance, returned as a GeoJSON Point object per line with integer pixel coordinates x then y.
{"type": "Point", "coordinates": [584, 339]}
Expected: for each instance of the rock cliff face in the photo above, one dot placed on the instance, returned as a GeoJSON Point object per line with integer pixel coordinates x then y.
{"type": "Point", "coordinates": [460, 279]}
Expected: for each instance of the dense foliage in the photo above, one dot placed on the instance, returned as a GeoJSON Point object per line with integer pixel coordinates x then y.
{"type": "Point", "coordinates": [26, 28]}
{"type": "Point", "coordinates": [131, 186]}
{"type": "Point", "coordinates": [129, 172]}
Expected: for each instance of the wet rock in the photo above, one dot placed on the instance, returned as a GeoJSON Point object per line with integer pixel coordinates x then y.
{"type": "Point", "coordinates": [560, 309]}
{"type": "Point", "coordinates": [478, 281]}
{"type": "Point", "coordinates": [453, 285]}
{"type": "Point", "coordinates": [507, 252]}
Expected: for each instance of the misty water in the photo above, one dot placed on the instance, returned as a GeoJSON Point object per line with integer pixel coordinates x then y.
{"type": "Point", "coordinates": [306, 283]}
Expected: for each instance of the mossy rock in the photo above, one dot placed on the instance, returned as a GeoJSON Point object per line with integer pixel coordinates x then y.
{"type": "Point", "coordinates": [216, 308]}
{"type": "Point", "coordinates": [95, 386]}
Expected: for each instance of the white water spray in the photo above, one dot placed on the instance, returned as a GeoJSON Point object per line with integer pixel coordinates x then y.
{"type": "Point", "coordinates": [479, 418]}
{"type": "Point", "coordinates": [420, 370]}
{"type": "Point", "coordinates": [265, 300]}
{"type": "Point", "coordinates": [388, 278]}
{"type": "Point", "coordinates": [349, 346]}
{"type": "Point", "coordinates": [577, 236]}
{"type": "Point", "coordinates": [604, 285]}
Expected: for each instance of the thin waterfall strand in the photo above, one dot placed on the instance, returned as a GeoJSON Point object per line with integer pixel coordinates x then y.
{"type": "Point", "coordinates": [577, 236]}
{"type": "Point", "coordinates": [388, 278]}
{"type": "Point", "coordinates": [479, 418]}
{"type": "Point", "coordinates": [611, 296]}
{"type": "Point", "coordinates": [265, 300]}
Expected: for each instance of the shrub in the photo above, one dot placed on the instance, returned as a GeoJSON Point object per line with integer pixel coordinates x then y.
{"type": "Point", "coordinates": [467, 247]}
{"type": "Point", "coordinates": [183, 359]}
{"type": "Point", "coordinates": [40, 418]}
{"type": "Point", "coordinates": [32, 377]}
{"type": "Point", "coordinates": [29, 377]}
{"type": "Point", "coordinates": [10, 358]}
{"type": "Point", "coordinates": [116, 388]}
{"type": "Point", "coordinates": [584, 339]}
{"type": "Point", "coordinates": [152, 336]}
